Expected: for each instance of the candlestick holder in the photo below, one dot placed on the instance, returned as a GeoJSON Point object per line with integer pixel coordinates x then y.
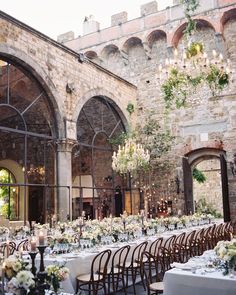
{"type": "Point", "coordinates": [42, 274]}
{"type": "Point", "coordinates": [124, 223]}
{"type": "Point", "coordinates": [33, 255]}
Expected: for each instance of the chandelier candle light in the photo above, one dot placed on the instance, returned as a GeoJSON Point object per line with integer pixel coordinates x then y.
{"type": "Point", "coordinates": [130, 157]}
{"type": "Point", "coordinates": [183, 75]}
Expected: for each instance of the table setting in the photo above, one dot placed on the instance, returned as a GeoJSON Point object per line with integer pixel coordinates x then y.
{"type": "Point", "coordinates": [205, 274]}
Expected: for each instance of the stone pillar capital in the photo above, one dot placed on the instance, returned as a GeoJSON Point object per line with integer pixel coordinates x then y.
{"type": "Point", "coordinates": [65, 144]}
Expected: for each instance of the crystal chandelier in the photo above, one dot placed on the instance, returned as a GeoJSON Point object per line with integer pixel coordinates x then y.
{"type": "Point", "coordinates": [131, 156]}
{"type": "Point", "coordinates": [182, 76]}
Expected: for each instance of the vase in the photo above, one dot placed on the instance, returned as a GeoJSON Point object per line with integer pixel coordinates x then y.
{"type": "Point", "coordinates": [55, 285]}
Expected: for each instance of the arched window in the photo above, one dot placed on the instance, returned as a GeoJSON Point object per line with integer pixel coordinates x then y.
{"type": "Point", "coordinates": [93, 179]}
{"type": "Point", "coordinates": [9, 198]}
{"type": "Point", "coordinates": [27, 132]}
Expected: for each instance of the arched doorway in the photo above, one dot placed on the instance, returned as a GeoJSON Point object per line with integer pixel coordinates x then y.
{"type": "Point", "coordinates": [9, 195]}
{"type": "Point", "coordinates": [191, 161]}
{"type": "Point", "coordinates": [95, 187]}
{"type": "Point", "coordinates": [27, 134]}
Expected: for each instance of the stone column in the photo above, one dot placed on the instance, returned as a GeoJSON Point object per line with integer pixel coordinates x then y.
{"type": "Point", "coordinates": [64, 178]}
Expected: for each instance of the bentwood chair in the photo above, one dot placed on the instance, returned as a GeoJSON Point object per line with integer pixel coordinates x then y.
{"type": "Point", "coordinates": [133, 267]}
{"type": "Point", "coordinates": [116, 274]}
{"type": "Point", "coordinates": [155, 247]}
{"type": "Point", "coordinates": [8, 249]}
{"type": "Point", "coordinates": [23, 245]}
{"type": "Point", "coordinates": [153, 271]}
{"type": "Point", "coordinates": [96, 279]}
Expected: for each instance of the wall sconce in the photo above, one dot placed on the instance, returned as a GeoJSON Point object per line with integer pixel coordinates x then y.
{"type": "Point", "coordinates": [233, 165]}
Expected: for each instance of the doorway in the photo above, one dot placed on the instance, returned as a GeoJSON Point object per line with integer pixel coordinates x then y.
{"type": "Point", "coordinates": [191, 161]}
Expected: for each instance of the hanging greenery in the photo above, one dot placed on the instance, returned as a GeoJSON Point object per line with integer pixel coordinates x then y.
{"type": "Point", "coordinates": [190, 7]}
{"type": "Point", "coordinates": [182, 78]}
{"type": "Point", "coordinates": [199, 176]}
{"type": "Point", "coordinates": [181, 84]}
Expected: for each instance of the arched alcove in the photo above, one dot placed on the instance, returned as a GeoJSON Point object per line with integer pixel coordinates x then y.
{"type": "Point", "coordinates": [28, 129]}
{"type": "Point", "coordinates": [93, 179]}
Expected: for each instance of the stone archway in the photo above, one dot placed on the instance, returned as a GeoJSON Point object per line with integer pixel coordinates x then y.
{"type": "Point", "coordinates": [190, 160]}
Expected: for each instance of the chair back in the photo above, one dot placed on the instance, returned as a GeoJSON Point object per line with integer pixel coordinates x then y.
{"type": "Point", "coordinates": [155, 246]}
{"type": "Point", "coordinates": [137, 252]}
{"type": "Point", "coordinates": [23, 245]}
{"type": "Point", "coordinates": [151, 268]}
{"type": "Point", "coordinates": [99, 264]}
{"type": "Point", "coordinates": [169, 242]}
{"type": "Point", "coordinates": [8, 249]}
{"type": "Point", "coordinates": [119, 258]}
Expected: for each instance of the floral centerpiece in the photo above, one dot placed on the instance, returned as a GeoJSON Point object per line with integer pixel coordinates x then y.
{"type": "Point", "coordinates": [226, 250]}
{"type": "Point", "coordinates": [18, 274]}
{"type": "Point", "coordinates": [55, 275]}
{"type": "Point", "coordinates": [22, 231]}
{"type": "Point", "coordinates": [14, 264]}
{"type": "Point", "coordinates": [23, 281]}
{"type": "Point", "coordinates": [4, 233]}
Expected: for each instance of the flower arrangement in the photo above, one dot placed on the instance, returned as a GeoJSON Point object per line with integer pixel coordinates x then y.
{"type": "Point", "coordinates": [56, 274]}
{"type": "Point", "coordinates": [18, 273]}
{"type": "Point", "coordinates": [14, 264]}
{"type": "Point", "coordinates": [4, 230]}
{"type": "Point", "coordinates": [22, 230]}
{"type": "Point", "coordinates": [62, 238]}
{"type": "Point", "coordinates": [24, 279]}
{"type": "Point", "coordinates": [226, 250]}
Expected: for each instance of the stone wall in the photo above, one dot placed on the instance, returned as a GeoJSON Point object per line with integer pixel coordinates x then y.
{"type": "Point", "coordinates": [133, 51]}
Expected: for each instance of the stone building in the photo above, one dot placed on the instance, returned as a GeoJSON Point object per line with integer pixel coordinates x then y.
{"type": "Point", "coordinates": [60, 102]}
{"type": "Point", "coordinates": [205, 129]}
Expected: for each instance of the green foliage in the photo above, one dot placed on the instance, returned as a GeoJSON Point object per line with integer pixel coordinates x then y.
{"type": "Point", "coordinates": [190, 7]}
{"type": "Point", "coordinates": [130, 108]}
{"type": "Point", "coordinates": [5, 210]}
{"type": "Point", "coordinates": [203, 207]}
{"type": "Point", "coordinates": [119, 139]}
{"type": "Point", "coordinates": [153, 138]}
{"type": "Point", "coordinates": [180, 85]}
{"type": "Point", "coordinates": [199, 176]}
{"type": "Point", "coordinates": [176, 88]}
{"type": "Point", "coordinates": [217, 79]}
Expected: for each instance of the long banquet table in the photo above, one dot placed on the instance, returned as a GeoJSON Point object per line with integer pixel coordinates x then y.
{"type": "Point", "coordinates": [80, 263]}
{"type": "Point", "coordinates": [202, 281]}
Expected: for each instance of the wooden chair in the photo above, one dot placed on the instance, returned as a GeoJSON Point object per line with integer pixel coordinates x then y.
{"type": "Point", "coordinates": [11, 246]}
{"type": "Point", "coordinates": [23, 245]}
{"type": "Point", "coordinates": [116, 274]}
{"type": "Point", "coordinates": [133, 267]}
{"type": "Point", "coordinates": [153, 272]}
{"type": "Point", "coordinates": [96, 279]}
{"type": "Point", "coordinates": [155, 247]}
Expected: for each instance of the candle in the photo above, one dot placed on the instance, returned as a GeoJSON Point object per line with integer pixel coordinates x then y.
{"type": "Point", "coordinates": [33, 245]}
{"type": "Point", "coordinates": [41, 238]}
{"type": "Point", "coordinates": [7, 248]}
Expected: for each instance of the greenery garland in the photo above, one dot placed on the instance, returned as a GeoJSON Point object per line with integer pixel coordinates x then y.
{"type": "Point", "coordinates": [190, 7]}
{"type": "Point", "coordinates": [180, 84]}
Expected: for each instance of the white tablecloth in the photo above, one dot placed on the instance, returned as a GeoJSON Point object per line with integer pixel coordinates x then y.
{"type": "Point", "coordinates": [81, 264]}
{"type": "Point", "coordinates": [183, 282]}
